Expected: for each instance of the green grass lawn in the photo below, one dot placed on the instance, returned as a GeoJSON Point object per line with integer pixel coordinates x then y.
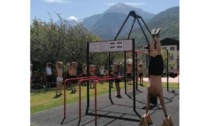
{"type": "Point", "coordinates": [42, 100]}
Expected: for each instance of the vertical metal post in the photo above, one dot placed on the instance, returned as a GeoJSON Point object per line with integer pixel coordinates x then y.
{"type": "Point", "coordinates": [134, 84]}
{"type": "Point", "coordinates": [125, 60]}
{"type": "Point", "coordinates": [95, 97]}
{"type": "Point", "coordinates": [110, 96]}
{"type": "Point", "coordinates": [167, 71]}
{"type": "Point", "coordinates": [80, 111]}
{"type": "Point", "coordinates": [136, 70]}
{"type": "Point", "coordinates": [88, 74]}
{"type": "Point", "coordinates": [64, 111]}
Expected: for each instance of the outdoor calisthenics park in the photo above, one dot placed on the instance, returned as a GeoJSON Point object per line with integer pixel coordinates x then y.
{"type": "Point", "coordinates": [104, 110]}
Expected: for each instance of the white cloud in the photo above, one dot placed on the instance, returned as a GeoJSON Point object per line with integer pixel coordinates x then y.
{"type": "Point", "coordinates": [57, 1]}
{"type": "Point", "coordinates": [73, 18]}
{"type": "Point", "coordinates": [131, 4]}
{"type": "Point", "coordinates": [135, 4]}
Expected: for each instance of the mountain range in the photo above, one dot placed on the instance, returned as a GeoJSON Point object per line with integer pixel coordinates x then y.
{"type": "Point", "coordinates": [107, 24]}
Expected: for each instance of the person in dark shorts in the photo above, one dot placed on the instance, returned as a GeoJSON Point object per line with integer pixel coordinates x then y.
{"type": "Point", "coordinates": [111, 75]}
{"type": "Point", "coordinates": [140, 73]}
{"type": "Point", "coordinates": [84, 74]}
{"type": "Point", "coordinates": [92, 73]}
{"type": "Point", "coordinates": [117, 80]}
{"type": "Point", "coordinates": [156, 67]}
{"type": "Point", "coordinates": [67, 76]}
{"type": "Point", "coordinates": [128, 72]}
{"type": "Point", "coordinates": [59, 79]}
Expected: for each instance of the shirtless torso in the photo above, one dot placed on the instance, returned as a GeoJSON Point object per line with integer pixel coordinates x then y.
{"type": "Point", "coordinates": [59, 71]}
{"type": "Point", "coordinates": [155, 85]}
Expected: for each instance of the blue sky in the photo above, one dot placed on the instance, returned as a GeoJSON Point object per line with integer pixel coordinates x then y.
{"type": "Point", "coordinates": [81, 9]}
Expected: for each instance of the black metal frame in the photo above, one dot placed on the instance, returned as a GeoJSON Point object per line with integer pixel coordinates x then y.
{"type": "Point", "coordinates": [110, 98]}
{"type": "Point", "coordinates": [167, 72]}
{"type": "Point", "coordinates": [136, 17]}
{"type": "Point", "coordinates": [134, 57]}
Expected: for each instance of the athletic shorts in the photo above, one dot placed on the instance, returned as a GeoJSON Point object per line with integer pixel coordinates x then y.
{"type": "Point", "coordinates": [140, 74]}
{"type": "Point", "coordinates": [129, 75]}
{"type": "Point", "coordinates": [73, 81]}
{"type": "Point", "coordinates": [156, 65]}
{"type": "Point", "coordinates": [101, 75]}
{"type": "Point", "coordinates": [117, 80]}
{"type": "Point", "coordinates": [111, 75]}
{"type": "Point", "coordinates": [59, 79]}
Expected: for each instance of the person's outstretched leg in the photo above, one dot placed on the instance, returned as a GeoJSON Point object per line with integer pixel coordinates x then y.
{"type": "Point", "coordinates": [60, 86]}
{"type": "Point", "coordinates": [151, 48]}
{"type": "Point", "coordinates": [57, 87]}
{"type": "Point", "coordinates": [158, 41]}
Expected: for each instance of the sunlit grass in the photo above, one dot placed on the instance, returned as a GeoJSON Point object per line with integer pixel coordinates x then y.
{"type": "Point", "coordinates": [42, 100]}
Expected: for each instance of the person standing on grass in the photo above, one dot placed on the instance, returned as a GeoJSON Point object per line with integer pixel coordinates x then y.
{"type": "Point", "coordinates": [59, 78]}
{"type": "Point", "coordinates": [49, 75]}
{"type": "Point", "coordinates": [68, 67]}
{"type": "Point", "coordinates": [128, 72]}
{"type": "Point", "coordinates": [92, 73]}
{"type": "Point", "coordinates": [140, 73]}
{"type": "Point", "coordinates": [111, 75]}
{"type": "Point", "coordinates": [73, 74]}
{"type": "Point", "coordinates": [117, 79]}
{"type": "Point", "coordinates": [101, 72]}
{"type": "Point", "coordinates": [156, 67]}
{"type": "Point", "coordinates": [84, 74]}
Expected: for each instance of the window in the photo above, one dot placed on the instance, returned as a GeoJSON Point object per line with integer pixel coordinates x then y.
{"type": "Point", "coordinates": [172, 48]}
{"type": "Point", "coordinates": [177, 61]}
{"type": "Point", "coordinates": [163, 48]}
{"type": "Point", "coordinates": [172, 57]}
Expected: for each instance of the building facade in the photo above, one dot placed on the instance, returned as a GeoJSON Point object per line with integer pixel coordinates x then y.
{"type": "Point", "coordinates": [173, 48]}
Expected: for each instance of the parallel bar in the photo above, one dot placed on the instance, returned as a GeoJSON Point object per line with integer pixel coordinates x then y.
{"type": "Point", "coordinates": [64, 111]}
{"type": "Point", "coordinates": [65, 95]}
